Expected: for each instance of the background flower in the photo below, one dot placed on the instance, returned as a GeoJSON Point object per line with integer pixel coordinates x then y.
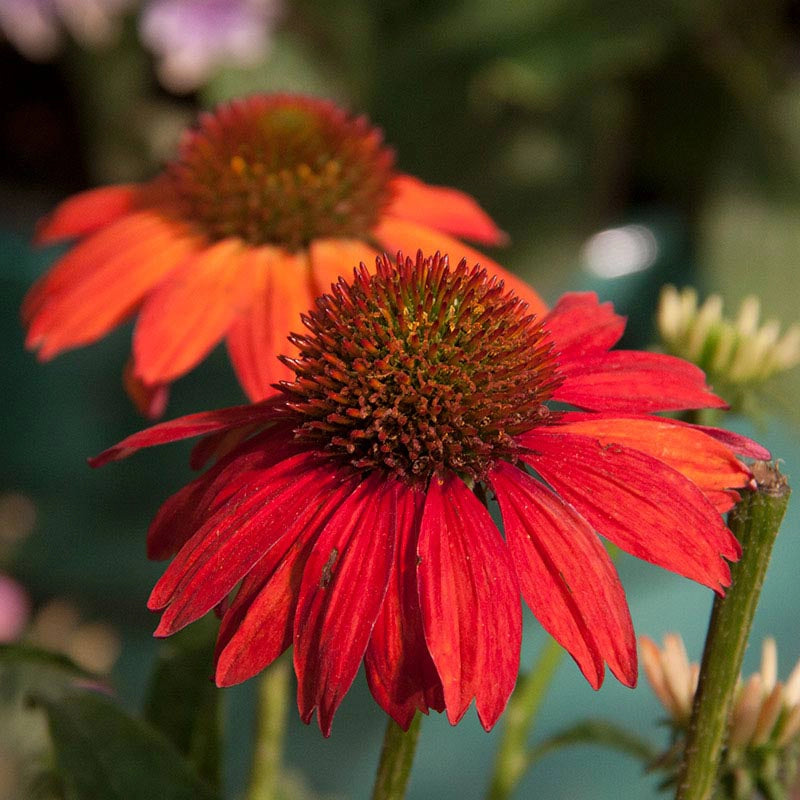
{"type": "Point", "coordinates": [192, 38]}
{"type": "Point", "coordinates": [270, 199]}
{"type": "Point", "coordinates": [35, 26]}
{"type": "Point", "coordinates": [760, 758]}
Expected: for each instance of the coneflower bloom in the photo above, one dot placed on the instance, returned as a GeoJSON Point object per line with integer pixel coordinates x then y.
{"type": "Point", "coordinates": [352, 510]}
{"type": "Point", "coordinates": [269, 200]}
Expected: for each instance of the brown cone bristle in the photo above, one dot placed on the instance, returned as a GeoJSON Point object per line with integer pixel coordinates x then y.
{"type": "Point", "coordinates": [420, 368]}
{"type": "Point", "coordinates": [283, 170]}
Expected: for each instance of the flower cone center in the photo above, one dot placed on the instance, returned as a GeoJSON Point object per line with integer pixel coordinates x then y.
{"type": "Point", "coordinates": [282, 170]}
{"type": "Point", "coordinates": [421, 368]}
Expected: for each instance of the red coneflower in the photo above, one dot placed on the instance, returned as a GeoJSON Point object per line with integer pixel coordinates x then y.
{"type": "Point", "coordinates": [269, 200]}
{"type": "Point", "coordinates": [353, 507]}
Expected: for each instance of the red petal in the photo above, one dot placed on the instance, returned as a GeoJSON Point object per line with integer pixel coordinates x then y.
{"type": "Point", "coordinates": [397, 234]}
{"type": "Point", "coordinates": [634, 381]}
{"type": "Point", "coordinates": [180, 517]}
{"type": "Point", "coordinates": [642, 505]}
{"type": "Point", "coordinates": [742, 445]}
{"type": "Point", "coordinates": [190, 311]}
{"type": "Point", "coordinates": [87, 212]}
{"type": "Point", "coordinates": [566, 576]}
{"type": "Point", "coordinates": [189, 426]}
{"type": "Point", "coordinates": [443, 209]}
{"type": "Point", "coordinates": [282, 292]}
{"type": "Point", "coordinates": [709, 464]}
{"type": "Point", "coordinates": [470, 604]}
{"type": "Point", "coordinates": [400, 672]}
{"type": "Point", "coordinates": [581, 326]}
{"type": "Point", "coordinates": [344, 582]}
{"type": "Point", "coordinates": [280, 502]}
{"type": "Point", "coordinates": [258, 626]}
{"type": "Point", "coordinates": [100, 282]}
{"type": "Point", "coordinates": [150, 401]}
{"type": "Point", "coordinates": [334, 258]}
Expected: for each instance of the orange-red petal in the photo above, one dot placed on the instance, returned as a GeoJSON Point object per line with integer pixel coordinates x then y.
{"type": "Point", "coordinates": [469, 598]}
{"type": "Point", "coordinates": [334, 258]}
{"type": "Point", "coordinates": [190, 311]}
{"type": "Point", "coordinates": [706, 462]}
{"type": "Point", "coordinates": [100, 282]}
{"type": "Point", "coordinates": [395, 234]}
{"type": "Point", "coordinates": [87, 212]}
{"type": "Point", "coordinates": [282, 291]}
{"type": "Point", "coordinates": [343, 586]}
{"type": "Point", "coordinates": [444, 209]}
{"type": "Point", "coordinates": [566, 576]}
{"type": "Point", "coordinates": [149, 399]}
{"type": "Point", "coordinates": [638, 502]}
{"type": "Point", "coordinates": [259, 624]}
{"type": "Point", "coordinates": [400, 672]}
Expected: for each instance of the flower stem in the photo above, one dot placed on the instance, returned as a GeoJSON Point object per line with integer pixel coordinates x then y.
{"type": "Point", "coordinates": [512, 758]}
{"type": "Point", "coordinates": [273, 695]}
{"type": "Point", "coordinates": [397, 757]}
{"type": "Point", "coordinates": [755, 522]}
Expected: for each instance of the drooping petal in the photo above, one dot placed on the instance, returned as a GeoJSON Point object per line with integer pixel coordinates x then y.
{"type": "Point", "coordinates": [443, 209]}
{"type": "Point", "coordinates": [566, 576]}
{"type": "Point", "coordinates": [191, 425]}
{"type": "Point", "coordinates": [397, 234]}
{"type": "Point", "coordinates": [259, 624]}
{"type": "Point", "coordinates": [470, 603]}
{"type": "Point", "coordinates": [238, 535]}
{"type": "Point", "coordinates": [190, 311]}
{"type": "Point", "coordinates": [334, 258]}
{"type": "Point", "coordinates": [87, 212]}
{"type": "Point", "coordinates": [742, 445]}
{"type": "Point", "coordinates": [343, 586]}
{"type": "Point", "coordinates": [639, 503]}
{"type": "Point", "coordinates": [400, 672]}
{"type": "Point", "coordinates": [580, 325]}
{"type": "Point", "coordinates": [282, 291]}
{"type": "Point", "coordinates": [634, 381]}
{"type": "Point", "coordinates": [100, 281]}
{"type": "Point", "coordinates": [149, 399]}
{"type": "Point", "coordinates": [181, 516]}
{"type": "Point", "coordinates": [706, 462]}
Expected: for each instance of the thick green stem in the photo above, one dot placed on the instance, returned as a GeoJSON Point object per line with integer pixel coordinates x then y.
{"type": "Point", "coordinates": [273, 696]}
{"type": "Point", "coordinates": [755, 522]}
{"type": "Point", "coordinates": [512, 756]}
{"type": "Point", "coordinates": [397, 756]}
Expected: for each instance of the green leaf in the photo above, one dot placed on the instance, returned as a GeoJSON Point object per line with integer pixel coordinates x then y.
{"type": "Point", "coordinates": [599, 732]}
{"type": "Point", "coordinates": [182, 700]}
{"type": "Point", "coordinates": [102, 753]}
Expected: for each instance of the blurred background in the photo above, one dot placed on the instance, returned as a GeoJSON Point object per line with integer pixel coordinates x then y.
{"type": "Point", "coordinates": [622, 145]}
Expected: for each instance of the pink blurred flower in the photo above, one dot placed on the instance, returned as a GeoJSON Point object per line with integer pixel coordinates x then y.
{"type": "Point", "coordinates": [35, 27]}
{"type": "Point", "coordinates": [15, 607]}
{"type": "Point", "coordinates": [191, 38]}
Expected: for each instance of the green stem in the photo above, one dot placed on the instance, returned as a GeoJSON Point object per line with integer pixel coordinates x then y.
{"type": "Point", "coordinates": [397, 756]}
{"type": "Point", "coordinates": [755, 522]}
{"type": "Point", "coordinates": [273, 696]}
{"type": "Point", "coordinates": [512, 756]}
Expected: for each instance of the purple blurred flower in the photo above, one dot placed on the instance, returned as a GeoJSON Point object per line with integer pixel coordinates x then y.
{"type": "Point", "coordinates": [15, 607]}
{"type": "Point", "coordinates": [191, 38]}
{"type": "Point", "coordinates": [35, 27]}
